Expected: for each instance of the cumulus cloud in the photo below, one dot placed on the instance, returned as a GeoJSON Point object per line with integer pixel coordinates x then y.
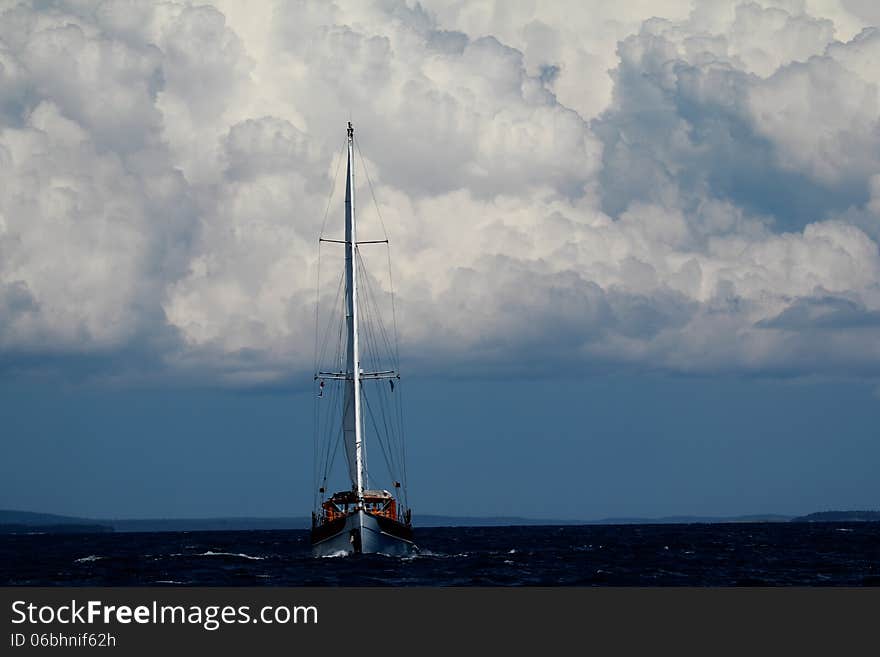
{"type": "Point", "coordinates": [683, 186]}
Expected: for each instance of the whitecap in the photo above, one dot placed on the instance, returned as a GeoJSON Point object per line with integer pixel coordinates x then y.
{"type": "Point", "coordinates": [425, 552]}
{"type": "Point", "coordinates": [90, 558]}
{"type": "Point", "coordinates": [335, 555]}
{"type": "Point", "coordinates": [211, 553]}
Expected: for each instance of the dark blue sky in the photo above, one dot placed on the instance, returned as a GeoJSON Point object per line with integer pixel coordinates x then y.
{"type": "Point", "coordinates": [582, 449]}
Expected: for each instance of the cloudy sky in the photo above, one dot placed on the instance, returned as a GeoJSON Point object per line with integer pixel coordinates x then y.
{"type": "Point", "coordinates": [635, 250]}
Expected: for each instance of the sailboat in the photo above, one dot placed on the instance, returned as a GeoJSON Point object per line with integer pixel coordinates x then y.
{"type": "Point", "coordinates": [359, 389]}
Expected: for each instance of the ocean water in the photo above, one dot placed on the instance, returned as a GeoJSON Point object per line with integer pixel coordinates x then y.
{"type": "Point", "coordinates": [766, 554]}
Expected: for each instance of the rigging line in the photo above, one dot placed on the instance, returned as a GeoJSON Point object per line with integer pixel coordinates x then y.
{"type": "Point", "coordinates": [373, 344]}
{"type": "Point", "coordinates": [400, 437]}
{"type": "Point", "coordinates": [399, 406]}
{"type": "Point", "coordinates": [370, 183]}
{"type": "Point", "coordinates": [372, 356]}
{"type": "Point", "coordinates": [378, 361]}
{"type": "Point", "coordinates": [340, 437]}
{"type": "Point", "coordinates": [316, 411]}
{"type": "Point", "coordinates": [328, 443]}
{"type": "Point", "coordinates": [391, 407]}
{"type": "Point", "coordinates": [315, 416]}
{"type": "Point", "coordinates": [384, 331]}
{"type": "Point", "coordinates": [329, 335]}
{"type": "Point", "coordinates": [382, 335]}
{"type": "Point", "coordinates": [367, 309]}
{"type": "Point", "coordinates": [337, 431]}
{"type": "Point", "coordinates": [319, 455]}
{"type": "Point", "coordinates": [333, 402]}
{"type": "Point", "coordinates": [328, 428]}
{"type": "Point", "coordinates": [390, 458]}
{"type": "Point", "coordinates": [321, 441]}
{"type": "Point", "coordinates": [332, 433]}
{"type": "Point", "coordinates": [382, 394]}
{"type": "Point", "coordinates": [335, 451]}
{"type": "Point", "coordinates": [318, 299]}
{"type": "Point", "coordinates": [393, 311]}
{"type": "Point", "coordinates": [332, 188]}
{"type": "Point", "coordinates": [389, 434]}
{"type": "Point", "coordinates": [332, 319]}
{"type": "Point", "coordinates": [327, 432]}
{"type": "Point", "coordinates": [341, 342]}
{"type": "Point", "coordinates": [329, 400]}
{"type": "Point", "coordinates": [337, 402]}
{"type": "Point", "coordinates": [381, 402]}
{"type": "Point", "coordinates": [384, 412]}
{"type": "Point", "coordinates": [334, 322]}
{"type": "Point", "coordinates": [371, 298]}
{"type": "Point", "coordinates": [338, 355]}
{"type": "Point", "coordinates": [403, 446]}
{"type": "Point", "coordinates": [379, 437]}
{"type": "Point", "coordinates": [317, 304]}
{"type": "Point", "coordinates": [320, 461]}
{"type": "Point", "coordinates": [395, 438]}
{"type": "Point", "coordinates": [372, 333]}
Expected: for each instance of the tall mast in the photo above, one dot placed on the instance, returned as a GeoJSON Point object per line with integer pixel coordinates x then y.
{"type": "Point", "coordinates": [352, 421]}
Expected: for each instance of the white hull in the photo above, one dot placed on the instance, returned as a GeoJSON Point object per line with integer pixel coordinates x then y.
{"type": "Point", "coordinates": [372, 539]}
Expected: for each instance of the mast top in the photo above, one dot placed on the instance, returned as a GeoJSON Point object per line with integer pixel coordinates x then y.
{"type": "Point", "coordinates": [350, 131]}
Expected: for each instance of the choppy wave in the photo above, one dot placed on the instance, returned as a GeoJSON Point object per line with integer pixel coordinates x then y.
{"type": "Point", "coordinates": [766, 554]}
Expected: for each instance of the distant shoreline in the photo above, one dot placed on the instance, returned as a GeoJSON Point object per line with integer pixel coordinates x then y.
{"type": "Point", "coordinates": [25, 522]}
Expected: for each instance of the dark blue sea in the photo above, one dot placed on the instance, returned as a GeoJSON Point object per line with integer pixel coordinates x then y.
{"type": "Point", "coordinates": [765, 554]}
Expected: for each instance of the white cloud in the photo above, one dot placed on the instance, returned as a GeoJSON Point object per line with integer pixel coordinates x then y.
{"type": "Point", "coordinates": [823, 114]}
{"type": "Point", "coordinates": [165, 170]}
{"type": "Point", "coordinates": [87, 235]}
